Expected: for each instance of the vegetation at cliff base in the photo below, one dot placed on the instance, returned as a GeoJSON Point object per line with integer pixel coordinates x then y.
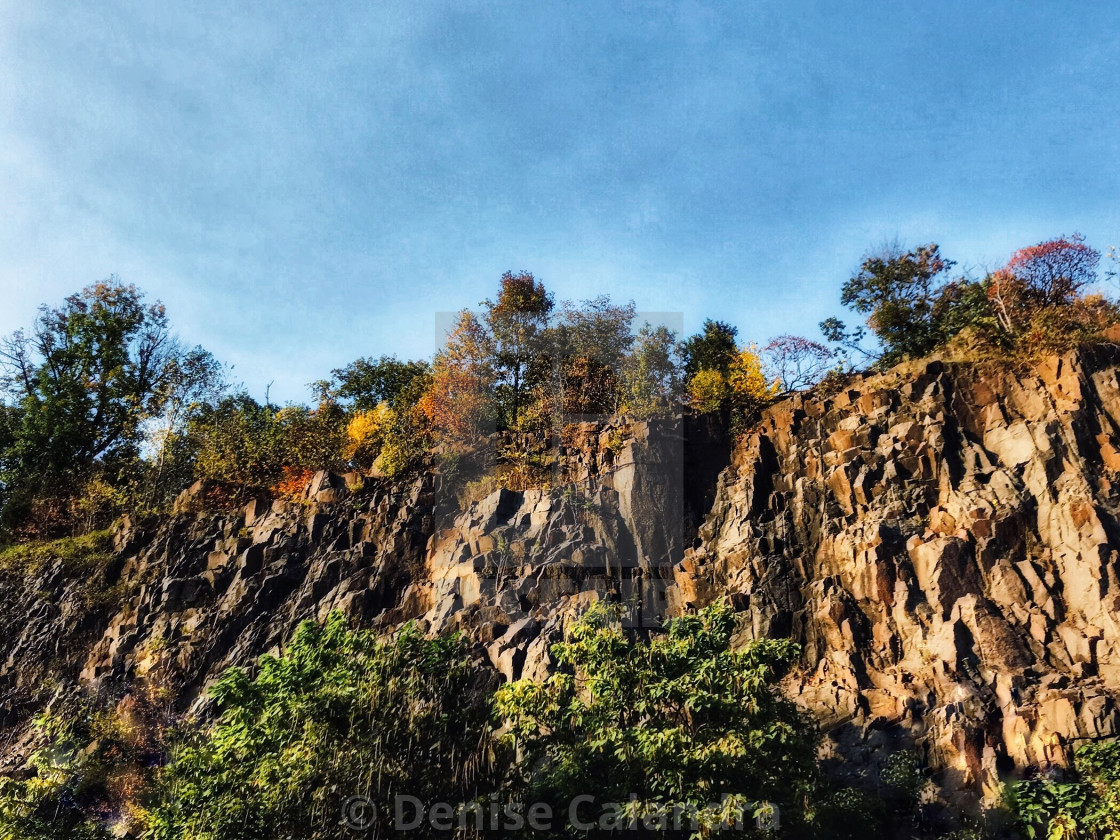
{"type": "Point", "coordinates": [682, 721]}
{"type": "Point", "coordinates": [1084, 805]}
{"type": "Point", "coordinates": [338, 714]}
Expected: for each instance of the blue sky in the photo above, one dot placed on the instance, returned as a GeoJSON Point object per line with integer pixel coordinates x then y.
{"type": "Point", "coordinates": [303, 183]}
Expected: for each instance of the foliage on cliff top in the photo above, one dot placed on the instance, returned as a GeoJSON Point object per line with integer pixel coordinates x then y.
{"type": "Point", "coordinates": [1039, 302]}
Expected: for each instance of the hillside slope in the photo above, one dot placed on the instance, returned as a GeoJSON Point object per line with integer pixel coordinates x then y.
{"type": "Point", "coordinates": [940, 539]}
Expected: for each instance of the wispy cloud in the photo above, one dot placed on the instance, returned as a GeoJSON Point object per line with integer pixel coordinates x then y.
{"type": "Point", "coordinates": [307, 182]}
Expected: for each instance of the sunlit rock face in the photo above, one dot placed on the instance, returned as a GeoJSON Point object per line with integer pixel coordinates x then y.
{"type": "Point", "coordinates": [942, 539]}
{"type": "Point", "coordinates": [939, 538]}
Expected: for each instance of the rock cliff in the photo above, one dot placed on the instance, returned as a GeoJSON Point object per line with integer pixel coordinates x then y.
{"type": "Point", "coordinates": [940, 539]}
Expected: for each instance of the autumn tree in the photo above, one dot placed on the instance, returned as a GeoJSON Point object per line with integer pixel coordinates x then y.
{"type": "Point", "coordinates": [1044, 276]}
{"type": "Point", "coordinates": [1056, 271]}
{"type": "Point", "coordinates": [459, 401]}
{"type": "Point", "coordinates": [516, 320]}
{"type": "Point", "coordinates": [797, 362]}
{"type": "Point", "coordinates": [751, 389]}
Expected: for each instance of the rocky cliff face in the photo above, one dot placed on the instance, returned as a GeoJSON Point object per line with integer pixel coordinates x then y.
{"type": "Point", "coordinates": [938, 538]}
{"type": "Point", "coordinates": [942, 540]}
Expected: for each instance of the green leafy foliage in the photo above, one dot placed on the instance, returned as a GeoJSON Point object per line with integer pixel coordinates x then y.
{"type": "Point", "coordinates": [78, 555]}
{"type": "Point", "coordinates": [517, 320]}
{"type": "Point", "coordinates": [242, 442]}
{"type": "Point", "coordinates": [1037, 303]}
{"type": "Point", "coordinates": [712, 349]}
{"type": "Point", "coordinates": [365, 383]}
{"type": "Point", "coordinates": [85, 385]}
{"type": "Point", "coordinates": [897, 292]}
{"type": "Point", "coordinates": [651, 379]}
{"type": "Point", "coordinates": [682, 719]}
{"type": "Point", "coordinates": [338, 714]}
{"type": "Point", "coordinates": [1086, 806]}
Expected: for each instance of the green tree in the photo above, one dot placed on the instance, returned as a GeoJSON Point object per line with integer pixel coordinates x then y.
{"type": "Point", "coordinates": [712, 349]}
{"type": "Point", "coordinates": [651, 375]}
{"type": "Point", "coordinates": [516, 320]}
{"type": "Point", "coordinates": [582, 357]}
{"type": "Point", "coordinates": [365, 383]}
{"type": "Point", "coordinates": [897, 292]}
{"type": "Point", "coordinates": [682, 720]}
{"type": "Point", "coordinates": [86, 379]}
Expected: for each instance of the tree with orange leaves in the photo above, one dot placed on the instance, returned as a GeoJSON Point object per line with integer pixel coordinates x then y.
{"type": "Point", "coordinates": [459, 404]}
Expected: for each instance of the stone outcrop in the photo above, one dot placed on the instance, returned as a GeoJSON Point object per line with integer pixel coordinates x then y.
{"type": "Point", "coordinates": [940, 539]}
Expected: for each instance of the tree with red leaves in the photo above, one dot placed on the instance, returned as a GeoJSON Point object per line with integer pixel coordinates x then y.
{"type": "Point", "coordinates": [1046, 275]}
{"type": "Point", "coordinates": [1056, 271]}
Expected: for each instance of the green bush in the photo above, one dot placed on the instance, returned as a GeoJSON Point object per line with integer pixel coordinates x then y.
{"type": "Point", "coordinates": [682, 720]}
{"type": "Point", "coordinates": [338, 714]}
{"type": "Point", "coordinates": [80, 556]}
{"type": "Point", "coordinates": [1086, 806]}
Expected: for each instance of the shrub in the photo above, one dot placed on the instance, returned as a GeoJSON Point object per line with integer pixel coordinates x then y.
{"type": "Point", "coordinates": [337, 714]}
{"type": "Point", "coordinates": [80, 556]}
{"type": "Point", "coordinates": [1087, 806]}
{"type": "Point", "coordinates": [708, 390]}
{"type": "Point", "coordinates": [680, 720]}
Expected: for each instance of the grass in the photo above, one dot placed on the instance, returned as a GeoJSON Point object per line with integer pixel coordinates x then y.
{"type": "Point", "coordinates": [78, 555]}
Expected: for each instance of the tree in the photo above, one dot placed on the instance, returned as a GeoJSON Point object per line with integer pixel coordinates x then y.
{"type": "Point", "coordinates": [836, 332]}
{"type": "Point", "coordinates": [1056, 271]}
{"type": "Point", "coordinates": [516, 320]}
{"type": "Point", "coordinates": [595, 329]}
{"type": "Point", "coordinates": [797, 362]}
{"type": "Point", "coordinates": [86, 379]}
{"type": "Point", "coordinates": [192, 379]}
{"type": "Point", "coordinates": [897, 292]}
{"type": "Point", "coordinates": [366, 382]}
{"type": "Point", "coordinates": [459, 401]}
{"type": "Point", "coordinates": [651, 378]}
{"type": "Point", "coordinates": [712, 349]}
{"type": "Point", "coordinates": [586, 349]}
{"type": "Point", "coordinates": [1043, 277]}
{"type": "Point", "coordinates": [89, 373]}
{"type": "Point", "coordinates": [680, 721]}
{"type": "Point", "coordinates": [751, 390]}
{"type": "Point", "coordinates": [235, 441]}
